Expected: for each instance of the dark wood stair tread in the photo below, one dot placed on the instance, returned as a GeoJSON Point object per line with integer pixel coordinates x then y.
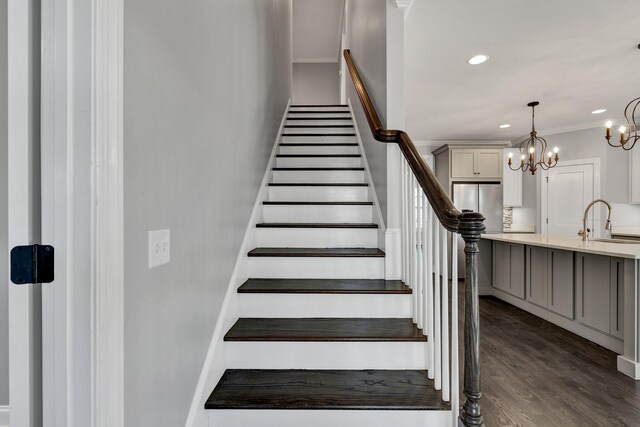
{"type": "Point", "coordinates": [318, 126]}
{"type": "Point", "coordinates": [325, 330]}
{"type": "Point", "coordinates": [320, 144]}
{"type": "Point", "coordinates": [319, 155]}
{"type": "Point", "coordinates": [318, 134]}
{"type": "Point", "coordinates": [319, 112]}
{"type": "Point", "coordinates": [317, 169]}
{"type": "Point", "coordinates": [317, 252]}
{"type": "Point", "coordinates": [317, 105]}
{"type": "Point", "coordinates": [318, 184]}
{"type": "Point", "coordinates": [324, 286]}
{"type": "Point", "coordinates": [318, 118]}
{"type": "Point", "coordinates": [316, 225]}
{"type": "Point", "coordinates": [326, 389]}
{"type": "Point", "coordinates": [289, 203]}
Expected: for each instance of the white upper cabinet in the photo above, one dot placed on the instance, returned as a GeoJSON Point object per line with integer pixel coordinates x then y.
{"type": "Point", "coordinates": [512, 180]}
{"type": "Point", "coordinates": [634, 172]}
{"type": "Point", "coordinates": [476, 163]}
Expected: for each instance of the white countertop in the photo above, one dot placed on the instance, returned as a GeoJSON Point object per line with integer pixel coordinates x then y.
{"type": "Point", "coordinates": [570, 243]}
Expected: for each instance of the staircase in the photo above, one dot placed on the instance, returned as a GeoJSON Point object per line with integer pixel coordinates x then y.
{"type": "Point", "coordinates": [322, 338]}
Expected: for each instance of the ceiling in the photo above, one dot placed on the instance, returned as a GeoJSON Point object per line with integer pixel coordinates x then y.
{"type": "Point", "coordinates": [317, 25]}
{"type": "Point", "coordinates": [574, 56]}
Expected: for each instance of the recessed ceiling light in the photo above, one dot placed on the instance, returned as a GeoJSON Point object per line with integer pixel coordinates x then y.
{"type": "Point", "coordinates": [504, 126]}
{"type": "Point", "coordinates": [600, 111]}
{"type": "Point", "coordinates": [478, 59]}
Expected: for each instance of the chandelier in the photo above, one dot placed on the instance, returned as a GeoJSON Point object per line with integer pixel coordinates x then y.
{"type": "Point", "coordinates": [629, 134]}
{"type": "Point", "coordinates": [533, 150]}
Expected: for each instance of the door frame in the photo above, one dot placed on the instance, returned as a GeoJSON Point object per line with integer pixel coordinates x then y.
{"type": "Point", "coordinates": [82, 88]}
{"type": "Point", "coordinates": [542, 188]}
{"type": "Point", "coordinates": [25, 350]}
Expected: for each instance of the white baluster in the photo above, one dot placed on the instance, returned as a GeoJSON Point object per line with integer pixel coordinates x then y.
{"type": "Point", "coordinates": [455, 373]}
{"type": "Point", "coordinates": [431, 218]}
{"type": "Point", "coordinates": [419, 257]}
{"type": "Point", "coordinates": [403, 221]}
{"type": "Point", "coordinates": [414, 264]}
{"type": "Point", "coordinates": [446, 390]}
{"type": "Point", "coordinates": [437, 333]}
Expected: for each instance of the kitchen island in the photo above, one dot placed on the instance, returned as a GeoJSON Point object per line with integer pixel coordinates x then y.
{"type": "Point", "coordinates": [589, 288]}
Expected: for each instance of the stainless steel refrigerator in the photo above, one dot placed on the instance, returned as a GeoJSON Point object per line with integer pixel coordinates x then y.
{"type": "Point", "coordinates": [485, 198]}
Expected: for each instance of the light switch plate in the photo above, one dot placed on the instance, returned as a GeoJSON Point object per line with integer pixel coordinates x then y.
{"type": "Point", "coordinates": [159, 247]}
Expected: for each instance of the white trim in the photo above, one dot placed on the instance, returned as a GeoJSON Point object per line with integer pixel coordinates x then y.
{"type": "Point", "coordinates": [108, 214]}
{"type": "Point", "coordinates": [315, 60]}
{"type": "Point", "coordinates": [25, 357]}
{"type": "Point", "coordinates": [628, 367]}
{"type": "Point", "coordinates": [4, 416]}
{"type": "Point", "coordinates": [368, 177]}
{"type": "Point", "coordinates": [215, 362]}
{"type": "Point", "coordinates": [542, 194]}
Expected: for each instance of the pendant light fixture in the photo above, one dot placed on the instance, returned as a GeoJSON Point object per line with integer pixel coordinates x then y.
{"type": "Point", "coordinates": [629, 134]}
{"type": "Point", "coordinates": [533, 150]}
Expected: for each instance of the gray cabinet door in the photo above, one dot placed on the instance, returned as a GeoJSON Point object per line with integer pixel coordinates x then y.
{"type": "Point", "coordinates": [593, 274]}
{"type": "Point", "coordinates": [537, 275]}
{"type": "Point", "coordinates": [501, 266]}
{"type": "Point", "coordinates": [517, 270]}
{"type": "Point", "coordinates": [617, 298]}
{"type": "Point", "coordinates": [561, 284]}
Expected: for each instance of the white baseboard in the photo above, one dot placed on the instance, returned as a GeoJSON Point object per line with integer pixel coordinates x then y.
{"type": "Point", "coordinates": [215, 362]}
{"type": "Point", "coordinates": [629, 367]}
{"type": "Point", "coordinates": [4, 416]}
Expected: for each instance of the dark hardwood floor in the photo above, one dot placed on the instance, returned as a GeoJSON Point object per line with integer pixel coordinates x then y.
{"type": "Point", "coordinates": [537, 374]}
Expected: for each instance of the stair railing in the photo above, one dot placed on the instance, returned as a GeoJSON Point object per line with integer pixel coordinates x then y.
{"type": "Point", "coordinates": [430, 222]}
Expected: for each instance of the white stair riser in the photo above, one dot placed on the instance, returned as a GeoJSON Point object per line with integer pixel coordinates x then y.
{"type": "Point", "coordinates": [324, 139]}
{"type": "Point", "coordinates": [320, 149]}
{"type": "Point", "coordinates": [326, 355]}
{"type": "Point", "coordinates": [324, 418]}
{"type": "Point", "coordinates": [318, 176]}
{"type": "Point", "coordinates": [325, 305]}
{"type": "Point", "coordinates": [319, 194]}
{"type": "Point", "coordinates": [317, 238]}
{"type": "Point", "coordinates": [321, 130]}
{"type": "Point", "coordinates": [318, 213]}
{"type": "Point", "coordinates": [318, 162]}
{"type": "Point", "coordinates": [319, 108]}
{"type": "Point", "coordinates": [315, 123]}
{"type": "Point", "coordinates": [319, 114]}
{"type": "Point", "coordinates": [317, 267]}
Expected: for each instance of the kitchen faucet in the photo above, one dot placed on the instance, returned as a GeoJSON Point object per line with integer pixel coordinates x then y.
{"type": "Point", "coordinates": [585, 231]}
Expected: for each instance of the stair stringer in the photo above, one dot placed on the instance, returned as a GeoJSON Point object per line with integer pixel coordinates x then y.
{"type": "Point", "coordinates": [215, 361]}
{"type": "Point", "coordinates": [388, 239]}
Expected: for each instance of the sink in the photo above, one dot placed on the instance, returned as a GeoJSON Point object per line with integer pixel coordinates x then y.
{"type": "Point", "coordinates": [619, 241]}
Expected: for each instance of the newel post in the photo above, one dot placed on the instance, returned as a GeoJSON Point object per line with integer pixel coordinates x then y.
{"type": "Point", "coordinates": [471, 226]}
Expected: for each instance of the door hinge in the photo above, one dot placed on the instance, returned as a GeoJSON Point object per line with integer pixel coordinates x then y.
{"type": "Point", "coordinates": [547, 178]}
{"type": "Point", "coordinates": [547, 220]}
{"type": "Point", "coordinates": [32, 264]}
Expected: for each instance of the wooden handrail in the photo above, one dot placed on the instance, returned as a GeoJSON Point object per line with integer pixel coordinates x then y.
{"type": "Point", "coordinates": [470, 225]}
{"type": "Point", "coordinates": [442, 205]}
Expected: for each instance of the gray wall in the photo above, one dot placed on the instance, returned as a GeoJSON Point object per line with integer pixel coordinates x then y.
{"type": "Point", "coordinates": [4, 262]}
{"type": "Point", "coordinates": [614, 169]}
{"type": "Point", "coordinates": [366, 35]}
{"type": "Point", "coordinates": [316, 83]}
{"type": "Point", "coordinates": [206, 85]}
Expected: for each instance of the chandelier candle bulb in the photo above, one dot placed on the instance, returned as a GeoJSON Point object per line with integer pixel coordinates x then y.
{"type": "Point", "coordinates": [628, 141]}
